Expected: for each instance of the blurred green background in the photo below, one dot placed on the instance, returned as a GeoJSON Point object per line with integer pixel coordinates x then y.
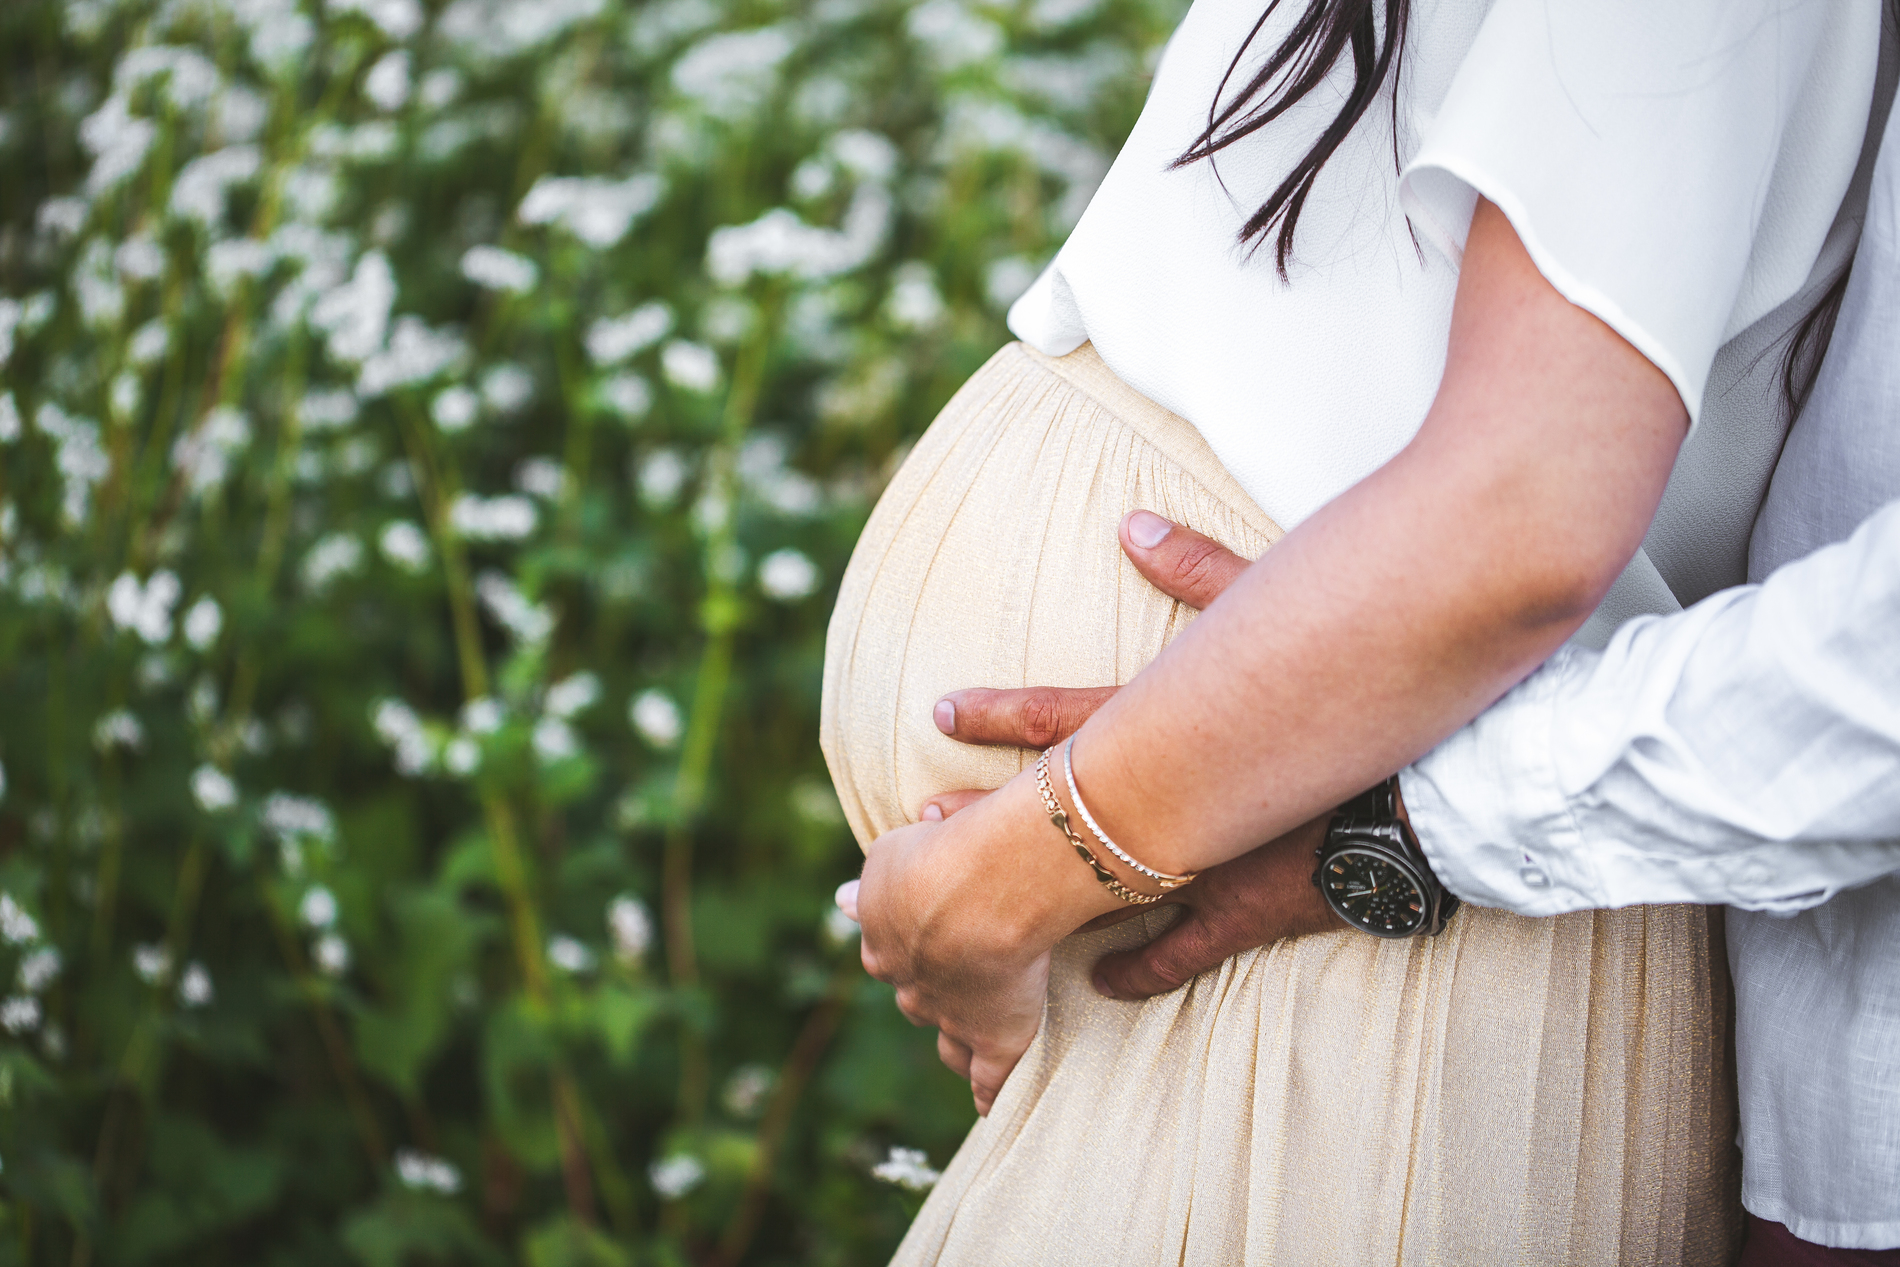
{"type": "Point", "coordinates": [432, 435]}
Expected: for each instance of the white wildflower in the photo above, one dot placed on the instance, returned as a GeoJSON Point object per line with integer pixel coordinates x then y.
{"type": "Point", "coordinates": [186, 77]}
{"type": "Point", "coordinates": [554, 740]}
{"type": "Point", "coordinates": [332, 954]}
{"type": "Point", "coordinates": [662, 474]}
{"type": "Point", "coordinates": [461, 756]}
{"type": "Point", "coordinates": [907, 1168]}
{"type": "Point", "coordinates": [455, 408]}
{"type": "Point", "coordinates": [10, 313]}
{"type": "Point", "coordinates": [328, 409]}
{"type": "Point", "coordinates": [598, 212]}
{"type": "Point", "coordinates": [354, 316]}
{"type": "Point", "coordinates": [398, 19]}
{"type": "Point", "coordinates": [507, 387]}
{"type": "Point", "coordinates": [504, 518]}
{"type": "Point", "coordinates": [787, 575]}
{"type": "Point", "coordinates": [9, 419]}
{"type": "Point", "coordinates": [676, 1176]}
{"type": "Point", "coordinates": [439, 88]}
{"type": "Point", "coordinates": [631, 928]}
{"type": "Point", "coordinates": [839, 928]}
{"type": "Point", "coordinates": [118, 140]}
{"type": "Point", "coordinates": [118, 729]}
{"type": "Point", "coordinates": [541, 477]}
{"type": "Point", "coordinates": [691, 366]}
{"type": "Point", "coordinates": [415, 354]}
{"type": "Point", "coordinates": [915, 303]}
{"type": "Point", "coordinates": [199, 191]}
{"type": "Point", "coordinates": [140, 258]}
{"type": "Point", "coordinates": [152, 962]}
{"type": "Point", "coordinates": [813, 178]}
{"type": "Point", "coordinates": [96, 286]}
{"type": "Point", "coordinates": [61, 218]}
{"type": "Point", "coordinates": [483, 715]}
{"type": "Point", "coordinates": [569, 955]}
{"type": "Point", "coordinates": [425, 1173]}
{"type": "Point", "coordinates": [233, 260]}
{"type": "Point", "coordinates": [731, 74]}
{"type": "Point", "coordinates": [529, 622]}
{"type": "Point", "coordinates": [387, 84]}
{"type": "Point", "coordinates": [318, 907]}
{"type": "Point", "coordinates": [746, 1090]}
{"type": "Point", "coordinates": [20, 1014]}
{"type": "Point", "coordinates": [495, 29]}
{"type": "Point", "coordinates": [497, 269]}
{"type": "Point", "coordinates": [572, 695]}
{"type": "Point", "coordinates": [125, 394]}
{"type": "Point", "coordinates": [1048, 15]}
{"type": "Point", "coordinates": [194, 986]}
{"type": "Point", "coordinates": [201, 705]}
{"type": "Point", "coordinates": [778, 242]}
{"type": "Point", "coordinates": [203, 622]}
{"type": "Point", "coordinates": [16, 926]}
{"type": "Point", "coordinates": [334, 555]}
{"type": "Point", "coordinates": [611, 340]}
{"type": "Point", "coordinates": [145, 609]}
{"type": "Point", "coordinates": [203, 455]}
{"type": "Point", "coordinates": [727, 319]}
{"type": "Point", "coordinates": [279, 33]}
{"type": "Point", "coordinates": [38, 968]}
{"type": "Point", "coordinates": [240, 114]}
{"type": "Point", "coordinates": [148, 343]}
{"type": "Point", "coordinates": [405, 545]}
{"type": "Point", "coordinates": [657, 718]}
{"type": "Point", "coordinates": [399, 727]}
{"type": "Point", "coordinates": [627, 395]}
{"type": "Point", "coordinates": [953, 36]}
{"type": "Point", "coordinates": [213, 789]}
{"type": "Point", "coordinates": [655, 27]}
{"type": "Point", "coordinates": [1007, 278]}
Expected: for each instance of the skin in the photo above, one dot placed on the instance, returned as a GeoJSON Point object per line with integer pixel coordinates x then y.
{"type": "Point", "coordinates": [1385, 621]}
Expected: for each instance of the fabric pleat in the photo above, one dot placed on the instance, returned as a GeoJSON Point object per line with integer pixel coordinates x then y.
{"type": "Point", "coordinates": [1536, 1091]}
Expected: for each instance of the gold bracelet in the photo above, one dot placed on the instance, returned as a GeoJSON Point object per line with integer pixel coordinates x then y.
{"type": "Point", "coordinates": [1162, 878]}
{"type": "Point", "coordinates": [1134, 897]}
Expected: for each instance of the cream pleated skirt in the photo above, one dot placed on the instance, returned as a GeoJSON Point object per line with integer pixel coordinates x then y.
{"type": "Point", "coordinates": [1535, 1091]}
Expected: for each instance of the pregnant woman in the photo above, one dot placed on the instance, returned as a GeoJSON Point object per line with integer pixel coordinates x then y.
{"type": "Point", "coordinates": [1463, 320]}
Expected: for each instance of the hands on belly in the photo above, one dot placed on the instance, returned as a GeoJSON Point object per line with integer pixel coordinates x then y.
{"type": "Point", "coordinates": [974, 961]}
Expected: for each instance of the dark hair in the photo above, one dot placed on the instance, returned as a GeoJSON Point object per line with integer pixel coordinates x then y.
{"type": "Point", "coordinates": [1801, 364]}
{"type": "Point", "coordinates": [1300, 64]}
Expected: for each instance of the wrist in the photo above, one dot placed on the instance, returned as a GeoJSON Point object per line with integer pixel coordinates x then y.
{"type": "Point", "coordinates": [1044, 889]}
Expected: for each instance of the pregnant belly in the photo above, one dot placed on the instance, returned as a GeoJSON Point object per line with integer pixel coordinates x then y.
{"type": "Point", "coordinates": [992, 560]}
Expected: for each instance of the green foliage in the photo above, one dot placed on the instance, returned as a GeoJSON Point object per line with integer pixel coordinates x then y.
{"type": "Point", "coordinates": [430, 438]}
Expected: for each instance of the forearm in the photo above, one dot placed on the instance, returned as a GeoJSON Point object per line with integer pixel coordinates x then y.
{"type": "Point", "coordinates": [1399, 611]}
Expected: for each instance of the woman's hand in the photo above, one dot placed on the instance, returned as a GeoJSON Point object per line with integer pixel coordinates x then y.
{"type": "Point", "coordinates": [972, 965]}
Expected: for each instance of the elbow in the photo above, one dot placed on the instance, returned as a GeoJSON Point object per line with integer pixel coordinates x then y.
{"type": "Point", "coordinates": [1559, 594]}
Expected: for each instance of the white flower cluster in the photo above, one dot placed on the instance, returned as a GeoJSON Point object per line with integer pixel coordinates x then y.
{"type": "Point", "coordinates": [213, 789]}
{"type": "Point", "coordinates": [492, 30]}
{"type": "Point", "coordinates": [569, 954]}
{"type": "Point", "coordinates": [503, 518]}
{"type": "Point", "coordinates": [731, 74]}
{"type": "Point", "coordinates": [596, 211]}
{"type": "Point", "coordinates": [497, 269]}
{"type": "Point", "coordinates": [78, 456]}
{"type": "Point", "coordinates": [907, 1168]}
{"type": "Point", "coordinates": [144, 609]}
{"type": "Point", "coordinates": [673, 1177]}
{"type": "Point", "coordinates": [631, 928]}
{"type": "Point", "coordinates": [611, 340]}
{"type": "Point", "coordinates": [203, 455]}
{"type": "Point", "coordinates": [657, 718]}
{"type": "Point", "coordinates": [427, 1173]}
{"type": "Point", "coordinates": [194, 986]}
{"type": "Point", "coordinates": [397, 725]}
{"type": "Point", "coordinates": [528, 621]}
{"type": "Point", "coordinates": [416, 354]}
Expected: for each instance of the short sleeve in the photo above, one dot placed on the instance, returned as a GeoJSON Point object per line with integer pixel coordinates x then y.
{"type": "Point", "coordinates": [1671, 168]}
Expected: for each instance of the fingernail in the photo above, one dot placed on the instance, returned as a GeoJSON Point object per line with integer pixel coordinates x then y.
{"type": "Point", "coordinates": [946, 716]}
{"type": "Point", "coordinates": [1147, 529]}
{"type": "Point", "coordinates": [933, 813]}
{"type": "Point", "coordinates": [1101, 986]}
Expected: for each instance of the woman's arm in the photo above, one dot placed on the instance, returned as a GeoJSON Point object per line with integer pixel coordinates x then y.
{"type": "Point", "coordinates": [1381, 624]}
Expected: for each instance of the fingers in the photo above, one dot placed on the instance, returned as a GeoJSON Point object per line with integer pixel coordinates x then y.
{"type": "Point", "coordinates": [944, 804]}
{"type": "Point", "coordinates": [987, 1074]}
{"type": "Point", "coordinates": [1035, 717]}
{"type": "Point", "coordinates": [1168, 962]}
{"type": "Point", "coordinates": [954, 1055]}
{"type": "Point", "coordinates": [1178, 561]}
{"type": "Point", "coordinates": [847, 900]}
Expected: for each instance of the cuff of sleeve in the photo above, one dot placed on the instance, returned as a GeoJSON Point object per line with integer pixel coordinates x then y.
{"type": "Point", "coordinates": [1490, 814]}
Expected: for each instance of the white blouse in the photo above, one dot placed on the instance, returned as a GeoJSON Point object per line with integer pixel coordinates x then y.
{"type": "Point", "coordinates": [1677, 169]}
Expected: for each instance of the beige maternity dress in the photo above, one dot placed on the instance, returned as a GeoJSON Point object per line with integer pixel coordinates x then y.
{"type": "Point", "coordinates": [1539, 1091]}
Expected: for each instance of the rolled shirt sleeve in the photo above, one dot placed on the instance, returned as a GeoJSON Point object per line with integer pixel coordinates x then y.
{"type": "Point", "coordinates": [1743, 752]}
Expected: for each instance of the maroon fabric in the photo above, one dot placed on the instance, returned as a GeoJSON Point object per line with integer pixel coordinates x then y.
{"type": "Point", "coordinates": [1773, 1245]}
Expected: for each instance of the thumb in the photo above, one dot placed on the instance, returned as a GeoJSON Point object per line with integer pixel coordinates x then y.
{"type": "Point", "coordinates": [1168, 962]}
{"type": "Point", "coordinates": [1178, 561]}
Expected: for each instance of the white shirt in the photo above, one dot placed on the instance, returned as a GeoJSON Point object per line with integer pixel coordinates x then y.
{"type": "Point", "coordinates": [1677, 169]}
{"type": "Point", "coordinates": [1746, 751]}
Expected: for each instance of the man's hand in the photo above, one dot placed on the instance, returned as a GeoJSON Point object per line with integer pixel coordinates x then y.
{"type": "Point", "coordinates": [1256, 898]}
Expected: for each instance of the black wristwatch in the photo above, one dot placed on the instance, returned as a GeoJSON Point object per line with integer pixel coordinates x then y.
{"type": "Point", "coordinates": [1373, 873]}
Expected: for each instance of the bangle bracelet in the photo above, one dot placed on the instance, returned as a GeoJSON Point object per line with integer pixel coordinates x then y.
{"type": "Point", "coordinates": [1162, 878]}
{"type": "Point", "coordinates": [1134, 897]}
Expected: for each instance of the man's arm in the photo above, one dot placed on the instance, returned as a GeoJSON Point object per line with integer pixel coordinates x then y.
{"type": "Point", "coordinates": [1744, 752]}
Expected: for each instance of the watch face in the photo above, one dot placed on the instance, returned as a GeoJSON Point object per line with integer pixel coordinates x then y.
{"type": "Point", "coordinates": [1372, 893]}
